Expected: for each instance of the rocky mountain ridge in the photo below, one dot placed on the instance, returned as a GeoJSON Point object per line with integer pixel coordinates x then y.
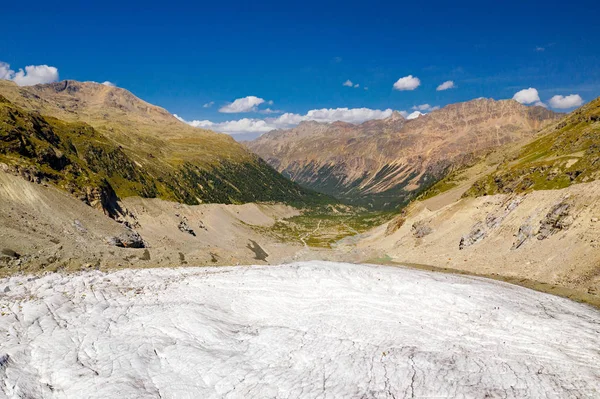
{"type": "Point", "coordinates": [385, 163]}
{"type": "Point", "coordinates": [86, 137]}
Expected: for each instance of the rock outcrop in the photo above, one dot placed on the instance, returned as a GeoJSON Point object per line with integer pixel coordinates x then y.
{"type": "Point", "coordinates": [129, 239]}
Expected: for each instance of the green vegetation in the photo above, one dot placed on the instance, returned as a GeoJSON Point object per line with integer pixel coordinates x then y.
{"type": "Point", "coordinates": [326, 179]}
{"type": "Point", "coordinates": [568, 153]}
{"type": "Point", "coordinates": [321, 227]}
{"type": "Point", "coordinates": [70, 155]}
{"type": "Point", "coordinates": [447, 183]}
{"type": "Point", "coordinates": [79, 159]}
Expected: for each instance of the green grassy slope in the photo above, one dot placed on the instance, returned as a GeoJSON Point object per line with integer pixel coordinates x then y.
{"type": "Point", "coordinates": [567, 153]}
{"type": "Point", "coordinates": [85, 162]}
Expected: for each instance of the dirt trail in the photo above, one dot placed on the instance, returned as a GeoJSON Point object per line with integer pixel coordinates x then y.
{"type": "Point", "coordinates": [307, 235]}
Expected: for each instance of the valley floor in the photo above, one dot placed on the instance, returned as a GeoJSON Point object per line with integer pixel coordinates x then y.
{"type": "Point", "coordinates": [309, 329]}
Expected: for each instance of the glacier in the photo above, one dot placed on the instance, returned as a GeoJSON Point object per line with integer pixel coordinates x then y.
{"type": "Point", "coordinates": [302, 330]}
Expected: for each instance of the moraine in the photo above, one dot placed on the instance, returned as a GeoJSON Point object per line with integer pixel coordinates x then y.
{"type": "Point", "coordinates": [309, 329]}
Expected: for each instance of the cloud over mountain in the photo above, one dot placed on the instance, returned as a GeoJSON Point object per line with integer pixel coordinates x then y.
{"type": "Point", "coordinates": [527, 96]}
{"type": "Point", "coordinates": [288, 120]}
{"type": "Point", "coordinates": [32, 75]}
{"type": "Point", "coordinates": [414, 115]}
{"type": "Point", "coordinates": [425, 107]}
{"type": "Point", "coordinates": [531, 96]}
{"type": "Point", "coordinates": [245, 104]}
{"type": "Point", "coordinates": [562, 102]}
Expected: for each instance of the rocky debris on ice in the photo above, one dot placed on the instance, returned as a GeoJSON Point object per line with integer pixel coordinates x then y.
{"type": "Point", "coordinates": [311, 329]}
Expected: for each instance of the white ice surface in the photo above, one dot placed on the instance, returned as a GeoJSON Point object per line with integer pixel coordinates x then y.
{"type": "Point", "coordinates": [312, 329]}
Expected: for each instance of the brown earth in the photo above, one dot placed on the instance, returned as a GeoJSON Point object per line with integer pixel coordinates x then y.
{"type": "Point", "coordinates": [547, 240]}
{"type": "Point", "coordinates": [45, 229]}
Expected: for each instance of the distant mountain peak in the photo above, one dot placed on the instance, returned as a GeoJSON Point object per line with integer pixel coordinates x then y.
{"type": "Point", "coordinates": [396, 116]}
{"type": "Point", "coordinates": [386, 161]}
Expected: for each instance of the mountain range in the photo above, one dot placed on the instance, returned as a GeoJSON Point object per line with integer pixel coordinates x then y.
{"type": "Point", "coordinates": [490, 188]}
{"type": "Point", "coordinates": [101, 143]}
{"type": "Point", "coordinates": [384, 163]}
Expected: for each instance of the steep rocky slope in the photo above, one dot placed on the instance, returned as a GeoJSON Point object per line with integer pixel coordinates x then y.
{"type": "Point", "coordinates": [533, 217]}
{"type": "Point", "coordinates": [45, 229]}
{"type": "Point", "coordinates": [85, 135]}
{"type": "Point", "coordinates": [384, 163]}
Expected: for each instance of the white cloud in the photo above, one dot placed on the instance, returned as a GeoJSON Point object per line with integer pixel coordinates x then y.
{"type": "Point", "coordinates": [407, 83]}
{"type": "Point", "coordinates": [5, 71]}
{"type": "Point", "coordinates": [449, 84]}
{"type": "Point", "coordinates": [244, 125]}
{"type": "Point", "coordinates": [288, 120]}
{"type": "Point", "coordinates": [425, 107]}
{"type": "Point", "coordinates": [110, 84]}
{"type": "Point", "coordinates": [351, 115]}
{"type": "Point", "coordinates": [527, 96]}
{"type": "Point", "coordinates": [270, 111]}
{"type": "Point", "coordinates": [414, 115]}
{"type": "Point", "coordinates": [32, 75]}
{"type": "Point", "coordinates": [540, 49]}
{"type": "Point", "coordinates": [208, 104]}
{"type": "Point", "coordinates": [245, 104]}
{"type": "Point", "coordinates": [349, 83]}
{"type": "Point", "coordinates": [573, 100]}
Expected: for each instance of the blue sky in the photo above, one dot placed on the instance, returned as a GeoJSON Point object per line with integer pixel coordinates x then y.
{"type": "Point", "coordinates": [182, 55]}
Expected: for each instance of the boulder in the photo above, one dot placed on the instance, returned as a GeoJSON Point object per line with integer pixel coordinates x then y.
{"type": "Point", "coordinates": [129, 239]}
{"type": "Point", "coordinates": [9, 253]}
{"type": "Point", "coordinates": [183, 227]}
{"type": "Point", "coordinates": [420, 229]}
